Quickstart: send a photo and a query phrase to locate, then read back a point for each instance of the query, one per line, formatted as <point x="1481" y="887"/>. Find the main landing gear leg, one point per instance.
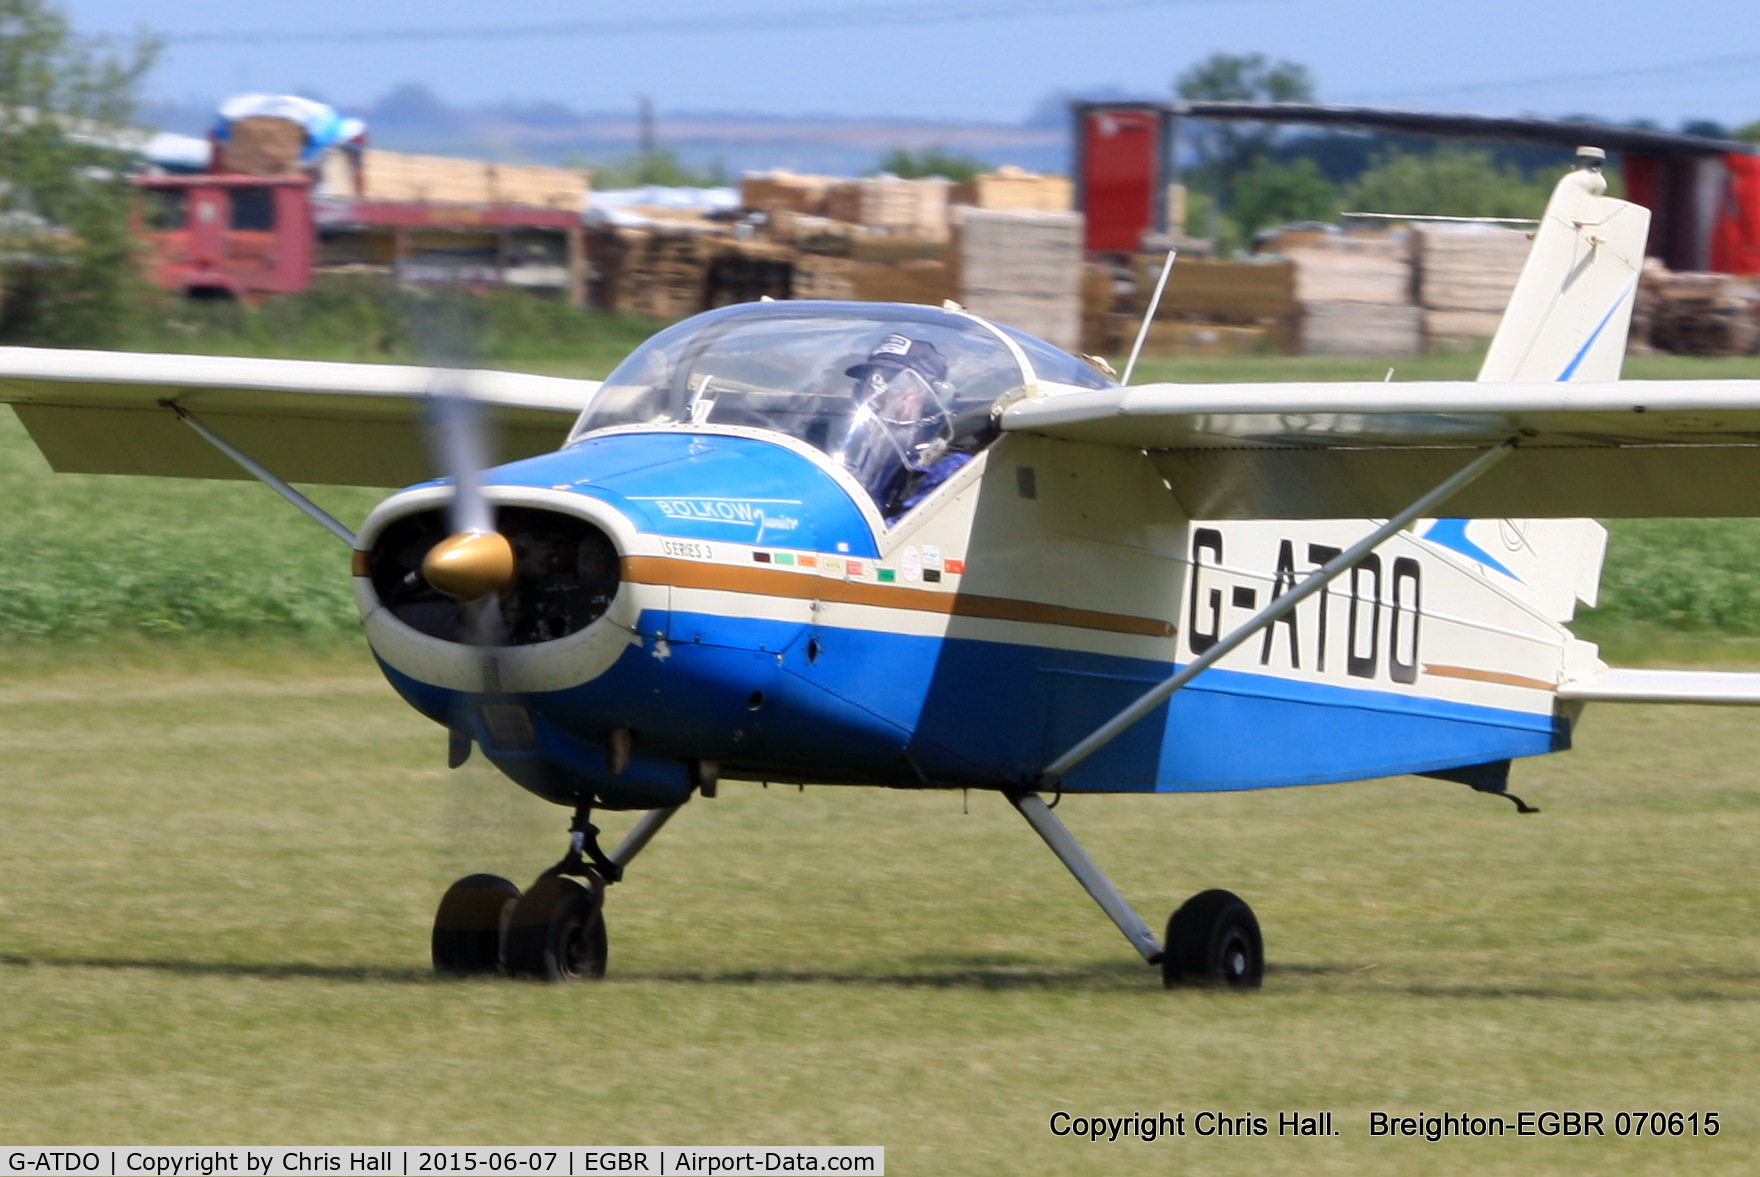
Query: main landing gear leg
<point x="1063" y="844"/>
<point x="553" y="932"/>
<point x="1212" y="940"/>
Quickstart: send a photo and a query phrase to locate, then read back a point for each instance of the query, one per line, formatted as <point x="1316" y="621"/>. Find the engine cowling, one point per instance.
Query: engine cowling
<point x="566" y="573"/>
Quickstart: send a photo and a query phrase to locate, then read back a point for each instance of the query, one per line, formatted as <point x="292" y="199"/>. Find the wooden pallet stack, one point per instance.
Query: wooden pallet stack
<point x="1697" y="314"/>
<point x="1014" y="189"/>
<point x="1355" y="296"/>
<point x="908" y="208"/>
<point x="1210" y="306"/>
<point x="1024" y="269"/>
<point x="747" y="271"/>
<point x="263" y="146"/>
<point x="782" y="191"/>
<point x="438" y="179"/>
<point x="663" y="274"/>
<point x="1465" y="274"/>
<point x="824" y="276"/>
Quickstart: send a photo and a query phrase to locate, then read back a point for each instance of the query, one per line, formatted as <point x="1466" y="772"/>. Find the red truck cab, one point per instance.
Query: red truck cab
<point x="228" y="236"/>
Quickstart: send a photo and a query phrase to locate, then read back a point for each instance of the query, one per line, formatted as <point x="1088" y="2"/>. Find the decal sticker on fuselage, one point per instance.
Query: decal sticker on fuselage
<point x="765" y="516"/>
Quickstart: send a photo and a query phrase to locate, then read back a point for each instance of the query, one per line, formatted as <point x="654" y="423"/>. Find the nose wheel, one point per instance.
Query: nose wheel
<point x="553" y="932"/>
<point x="471" y="924"/>
<point x="557" y="930"/>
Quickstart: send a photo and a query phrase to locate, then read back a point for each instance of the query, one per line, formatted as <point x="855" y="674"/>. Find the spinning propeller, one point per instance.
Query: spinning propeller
<point x="475" y="564"/>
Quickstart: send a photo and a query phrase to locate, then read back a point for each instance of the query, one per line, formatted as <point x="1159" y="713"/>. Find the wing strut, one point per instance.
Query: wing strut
<point x="1279" y="606"/>
<point x="1063" y="844"/>
<point x="263" y="473"/>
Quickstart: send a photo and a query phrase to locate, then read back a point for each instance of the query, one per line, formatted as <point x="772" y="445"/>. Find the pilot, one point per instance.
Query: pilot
<point x="903" y="425"/>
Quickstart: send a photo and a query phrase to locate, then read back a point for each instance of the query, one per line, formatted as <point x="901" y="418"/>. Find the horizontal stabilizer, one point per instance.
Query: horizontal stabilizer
<point x="1666" y="686"/>
<point x="103" y="412"/>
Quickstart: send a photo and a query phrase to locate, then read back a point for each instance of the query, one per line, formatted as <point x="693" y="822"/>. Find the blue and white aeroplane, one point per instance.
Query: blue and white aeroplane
<point x="876" y="544"/>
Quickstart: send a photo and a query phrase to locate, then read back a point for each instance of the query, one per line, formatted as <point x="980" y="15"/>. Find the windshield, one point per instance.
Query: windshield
<point x="899" y="396"/>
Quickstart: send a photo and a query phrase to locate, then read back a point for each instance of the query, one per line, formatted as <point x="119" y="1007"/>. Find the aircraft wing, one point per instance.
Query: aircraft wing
<point x="1665" y="686"/>
<point x="103" y="412"/>
<point x="1615" y="449"/>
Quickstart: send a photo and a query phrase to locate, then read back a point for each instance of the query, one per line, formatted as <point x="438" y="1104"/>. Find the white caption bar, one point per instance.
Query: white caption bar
<point x="346" y="1161"/>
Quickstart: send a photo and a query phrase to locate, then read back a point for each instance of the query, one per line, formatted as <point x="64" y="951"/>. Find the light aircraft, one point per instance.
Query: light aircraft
<point x="877" y="544"/>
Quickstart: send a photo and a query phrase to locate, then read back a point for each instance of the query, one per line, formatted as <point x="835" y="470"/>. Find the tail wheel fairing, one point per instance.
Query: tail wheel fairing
<point x="567" y="573"/>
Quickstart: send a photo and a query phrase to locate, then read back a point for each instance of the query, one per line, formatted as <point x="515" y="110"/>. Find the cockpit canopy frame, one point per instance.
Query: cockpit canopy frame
<point x="898" y="395"/>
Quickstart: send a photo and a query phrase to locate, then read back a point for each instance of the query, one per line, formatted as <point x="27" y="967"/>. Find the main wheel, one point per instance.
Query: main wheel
<point x="1213" y="940"/>
<point x="557" y="932"/>
<point x="467" y="928"/>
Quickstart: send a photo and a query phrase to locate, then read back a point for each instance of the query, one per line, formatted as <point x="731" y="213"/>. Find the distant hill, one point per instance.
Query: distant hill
<point x="412" y="118"/>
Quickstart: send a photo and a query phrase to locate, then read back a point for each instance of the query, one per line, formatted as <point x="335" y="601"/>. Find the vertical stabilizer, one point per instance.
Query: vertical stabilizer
<point x="1568" y="316"/>
<point x="1567" y="319"/>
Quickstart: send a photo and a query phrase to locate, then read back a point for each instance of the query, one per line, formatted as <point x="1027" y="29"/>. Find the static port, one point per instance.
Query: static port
<point x="756" y="701"/>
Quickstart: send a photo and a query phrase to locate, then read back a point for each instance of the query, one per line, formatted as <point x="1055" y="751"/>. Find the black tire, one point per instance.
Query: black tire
<point x="468" y="926"/>
<point x="557" y="932"/>
<point x="1213" y="940"/>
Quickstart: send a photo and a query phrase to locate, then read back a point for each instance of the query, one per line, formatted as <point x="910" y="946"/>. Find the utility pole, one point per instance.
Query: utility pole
<point x="647" y="132"/>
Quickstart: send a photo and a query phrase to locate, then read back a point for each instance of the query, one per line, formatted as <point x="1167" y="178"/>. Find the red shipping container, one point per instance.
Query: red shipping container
<point x="1121" y="171"/>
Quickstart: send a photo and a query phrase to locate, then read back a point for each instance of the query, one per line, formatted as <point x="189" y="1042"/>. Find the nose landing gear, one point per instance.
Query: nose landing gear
<point x="553" y="932"/>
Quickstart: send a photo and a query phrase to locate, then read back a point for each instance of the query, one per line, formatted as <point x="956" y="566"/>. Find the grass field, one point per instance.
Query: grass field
<point x="219" y="870"/>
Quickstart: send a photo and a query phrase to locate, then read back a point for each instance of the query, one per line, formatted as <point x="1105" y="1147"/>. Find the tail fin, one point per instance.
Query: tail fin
<point x="1567" y="319"/>
<point x="1568" y="316"/>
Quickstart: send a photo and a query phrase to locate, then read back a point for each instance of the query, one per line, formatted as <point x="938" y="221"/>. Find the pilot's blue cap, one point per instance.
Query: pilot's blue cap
<point x="896" y="352"/>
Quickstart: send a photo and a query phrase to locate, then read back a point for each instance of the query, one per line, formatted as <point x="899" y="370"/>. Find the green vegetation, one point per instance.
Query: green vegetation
<point x="68" y="271"/>
<point x="1227" y="148"/>
<point x="660" y="166"/>
<point x="349" y="317"/>
<point x="931" y="161"/>
<point x="1449" y="182"/>
<point x="1269" y="194"/>
<point x="220" y="872"/>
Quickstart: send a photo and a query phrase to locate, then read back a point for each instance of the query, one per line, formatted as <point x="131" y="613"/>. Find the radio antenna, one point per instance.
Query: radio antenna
<point x="1154" y="303"/>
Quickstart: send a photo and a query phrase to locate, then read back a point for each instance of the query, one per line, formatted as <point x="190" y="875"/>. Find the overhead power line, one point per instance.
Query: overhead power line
<point x="1548" y="80"/>
<point x="915" y="13"/>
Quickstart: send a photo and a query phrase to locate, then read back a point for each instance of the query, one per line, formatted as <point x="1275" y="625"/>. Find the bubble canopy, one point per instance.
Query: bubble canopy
<point x="898" y="395"/>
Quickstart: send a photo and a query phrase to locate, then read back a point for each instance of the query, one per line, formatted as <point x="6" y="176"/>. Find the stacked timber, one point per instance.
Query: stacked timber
<point x="1024" y="269"/>
<point x="1013" y="189"/>
<point x="824" y="276"/>
<point x="1355" y="296"/>
<point x="925" y="281"/>
<point x="1103" y="287"/>
<point x="1465" y="274"/>
<point x="663" y="274"/>
<point x="263" y="145"/>
<point x="782" y="191"/>
<point x="1694" y="314"/>
<point x="747" y="271"/>
<point x="438" y="179"/>
<point x="908" y="208"/>
<point x="1210" y="306"/>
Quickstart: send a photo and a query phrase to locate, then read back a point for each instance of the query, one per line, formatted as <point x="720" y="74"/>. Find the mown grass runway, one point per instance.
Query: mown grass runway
<point x="217" y="872"/>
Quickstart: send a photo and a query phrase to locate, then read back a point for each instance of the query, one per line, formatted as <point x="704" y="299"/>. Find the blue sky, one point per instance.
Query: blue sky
<point x="959" y="59"/>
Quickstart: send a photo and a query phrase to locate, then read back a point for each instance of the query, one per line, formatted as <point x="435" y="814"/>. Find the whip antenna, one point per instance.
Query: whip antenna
<point x="1154" y="304"/>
